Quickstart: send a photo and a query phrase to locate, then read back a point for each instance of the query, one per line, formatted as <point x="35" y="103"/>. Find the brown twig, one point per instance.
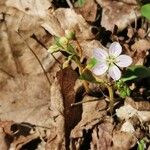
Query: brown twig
<point x="39" y="42"/>
<point x="36" y="58"/>
<point x="7" y="73"/>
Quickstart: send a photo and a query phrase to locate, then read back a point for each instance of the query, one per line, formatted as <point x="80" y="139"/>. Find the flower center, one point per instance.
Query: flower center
<point x="111" y="60"/>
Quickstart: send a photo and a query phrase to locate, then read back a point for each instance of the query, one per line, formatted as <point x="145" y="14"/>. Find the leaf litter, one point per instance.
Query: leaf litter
<point x="39" y="114"/>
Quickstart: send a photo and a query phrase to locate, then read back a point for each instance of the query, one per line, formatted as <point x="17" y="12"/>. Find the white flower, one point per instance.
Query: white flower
<point x="110" y="61"/>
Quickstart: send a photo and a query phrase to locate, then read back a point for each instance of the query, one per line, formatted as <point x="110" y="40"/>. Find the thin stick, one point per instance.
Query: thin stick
<point x="38" y="41"/>
<point x="80" y="103"/>
<point x="7" y="73"/>
<point x="36" y="58"/>
<point x="69" y="3"/>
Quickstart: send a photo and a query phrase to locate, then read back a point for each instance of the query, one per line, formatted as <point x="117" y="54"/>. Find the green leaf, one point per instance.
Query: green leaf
<point x="136" y="72"/>
<point x="70" y="49"/>
<point x="88" y="76"/>
<point x="53" y="49"/>
<point x="145" y="11"/>
<point x="123" y="89"/>
<point x="141" y="145"/>
<point x="80" y="3"/>
<point x="92" y="63"/>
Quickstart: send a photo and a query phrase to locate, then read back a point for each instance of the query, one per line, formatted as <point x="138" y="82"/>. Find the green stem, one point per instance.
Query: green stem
<point x="111" y="92"/>
<point x="111" y="97"/>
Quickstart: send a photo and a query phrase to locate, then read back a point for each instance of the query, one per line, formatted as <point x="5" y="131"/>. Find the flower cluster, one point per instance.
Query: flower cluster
<point x="110" y="61"/>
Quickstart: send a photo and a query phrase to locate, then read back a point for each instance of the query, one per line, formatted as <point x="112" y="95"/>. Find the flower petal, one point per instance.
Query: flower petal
<point x="123" y="61"/>
<point x="100" y="54"/>
<point x="115" y="49"/>
<point x="100" y="68"/>
<point x="114" y="72"/>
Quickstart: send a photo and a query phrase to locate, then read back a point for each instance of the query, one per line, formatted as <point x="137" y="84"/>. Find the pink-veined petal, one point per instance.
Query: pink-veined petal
<point x="115" y="49"/>
<point x="100" y="68"/>
<point x="123" y="61"/>
<point x="100" y="54"/>
<point x="114" y="72"/>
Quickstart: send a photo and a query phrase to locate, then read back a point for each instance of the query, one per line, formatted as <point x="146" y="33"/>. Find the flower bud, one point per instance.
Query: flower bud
<point x="70" y="35"/>
<point x="63" y="41"/>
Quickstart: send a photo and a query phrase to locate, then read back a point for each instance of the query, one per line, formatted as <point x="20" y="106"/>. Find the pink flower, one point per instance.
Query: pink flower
<point x="110" y="61"/>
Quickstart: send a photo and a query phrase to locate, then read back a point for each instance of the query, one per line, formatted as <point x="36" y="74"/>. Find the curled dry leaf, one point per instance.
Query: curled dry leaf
<point x="128" y="127"/>
<point x="127" y="111"/>
<point x="102" y="136"/>
<point x="67" y="78"/>
<point x="123" y="140"/>
<point x="21" y="104"/>
<point x="88" y="10"/>
<point x="56" y="139"/>
<point x="140" y="48"/>
<point x="117" y="13"/>
<point x="140" y="105"/>
<point x="93" y="113"/>
<point x="5" y="130"/>
<point x="68" y="19"/>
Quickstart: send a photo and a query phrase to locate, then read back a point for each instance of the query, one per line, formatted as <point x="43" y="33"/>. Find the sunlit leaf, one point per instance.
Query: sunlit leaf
<point x="80" y="3"/>
<point x="145" y="11"/>
<point x="123" y="89"/>
<point x="92" y="63"/>
<point x="141" y="145"/>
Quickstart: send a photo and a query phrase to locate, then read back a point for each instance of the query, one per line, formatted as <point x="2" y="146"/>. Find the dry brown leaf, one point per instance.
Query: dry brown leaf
<point x="67" y="78"/>
<point x="93" y="113"/>
<point x="140" y="48"/>
<point x="123" y="140"/>
<point x="56" y="138"/>
<point x="5" y="130"/>
<point x="68" y="19"/>
<point x="102" y="136"/>
<point x="25" y="99"/>
<point x="88" y="11"/>
<point x="117" y="13"/>
<point x="141" y="45"/>
<point x="140" y="105"/>
<point x="129" y="1"/>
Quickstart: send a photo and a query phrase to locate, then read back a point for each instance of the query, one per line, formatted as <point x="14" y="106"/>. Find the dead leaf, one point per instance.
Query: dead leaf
<point x="117" y="13"/>
<point x="5" y="130"/>
<point x="67" y="78"/>
<point x="74" y="21"/>
<point x="56" y="138"/>
<point x="93" y="113"/>
<point x="140" y="105"/>
<point x="140" y="48"/>
<point x="88" y="10"/>
<point x="102" y="136"/>
<point x="21" y="104"/>
<point x="123" y="140"/>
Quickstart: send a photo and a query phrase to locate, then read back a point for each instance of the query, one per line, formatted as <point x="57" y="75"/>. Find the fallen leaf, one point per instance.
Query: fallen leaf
<point x="117" y="13"/>
<point x="140" y="48"/>
<point x="67" y="78"/>
<point x="56" y="138"/>
<point x="93" y="113"/>
<point x="88" y="10"/>
<point x="102" y="136"/>
<point x="123" y="140"/>
<point x="21" y="104"/>
<point x="138" y="104"/>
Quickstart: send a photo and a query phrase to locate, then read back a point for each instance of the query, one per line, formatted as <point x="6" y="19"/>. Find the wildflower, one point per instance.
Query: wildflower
<point x="110" y="61"/>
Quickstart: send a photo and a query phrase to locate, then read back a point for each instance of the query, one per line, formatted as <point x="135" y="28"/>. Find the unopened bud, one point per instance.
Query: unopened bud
<point x="63" y="41"/>
<point x="70" y="35"/>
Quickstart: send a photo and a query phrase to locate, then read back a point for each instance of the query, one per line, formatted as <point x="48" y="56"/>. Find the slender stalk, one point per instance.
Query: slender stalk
<point x="111" y="93"/>
<point x="111" y="97"/>
<point x="82" y="102"/>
